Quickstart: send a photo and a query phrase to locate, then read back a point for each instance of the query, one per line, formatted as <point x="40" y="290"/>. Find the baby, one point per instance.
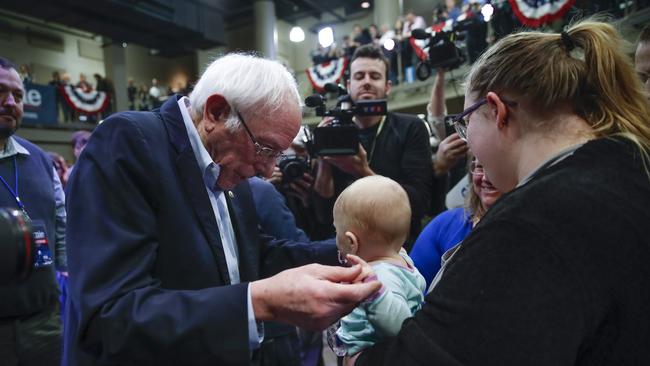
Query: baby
<point x="372" y="219"/>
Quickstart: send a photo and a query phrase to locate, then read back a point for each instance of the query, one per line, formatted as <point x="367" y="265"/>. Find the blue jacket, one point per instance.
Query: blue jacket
<point x="148" y="277"/>
<point x="443" y="232"/>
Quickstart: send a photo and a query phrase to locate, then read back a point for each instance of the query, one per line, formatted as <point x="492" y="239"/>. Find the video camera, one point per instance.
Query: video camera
<point x="341" y="137"/>
<point x="442" y="44"/>
<point x="17" y="245"/>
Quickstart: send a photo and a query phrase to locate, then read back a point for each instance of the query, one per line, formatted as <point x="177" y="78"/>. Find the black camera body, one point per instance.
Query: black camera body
<point x="17" y="245"/>
<point x="293" y="167"/>
<point x="341" y="137"/>
<point x="443" y="51"/>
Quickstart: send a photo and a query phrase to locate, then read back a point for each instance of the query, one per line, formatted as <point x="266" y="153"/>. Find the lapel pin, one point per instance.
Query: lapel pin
<point x="231" y="194"/>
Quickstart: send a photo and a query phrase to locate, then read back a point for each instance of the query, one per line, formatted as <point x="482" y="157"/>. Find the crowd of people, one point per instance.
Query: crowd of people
<point x="140" y="98"/>
<point x="184" y="239"/>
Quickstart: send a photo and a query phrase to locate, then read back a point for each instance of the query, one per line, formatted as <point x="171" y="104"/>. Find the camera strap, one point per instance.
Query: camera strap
<point x="20" y="204"/>
<point x="371" y="153"/>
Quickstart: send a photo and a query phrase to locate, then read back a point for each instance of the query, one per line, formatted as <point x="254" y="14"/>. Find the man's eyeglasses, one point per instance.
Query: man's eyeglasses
<point x="461" y="120"/>
<point x="260" y="150"/>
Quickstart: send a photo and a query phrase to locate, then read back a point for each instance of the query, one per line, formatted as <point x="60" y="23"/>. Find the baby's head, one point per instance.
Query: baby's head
<point x="372" y="217"/>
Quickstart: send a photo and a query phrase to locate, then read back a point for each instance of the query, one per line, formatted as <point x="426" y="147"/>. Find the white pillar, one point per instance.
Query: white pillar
<point x="386" y="12"/>
<point x="115" y="70"/>
<point x="266" y="36"/>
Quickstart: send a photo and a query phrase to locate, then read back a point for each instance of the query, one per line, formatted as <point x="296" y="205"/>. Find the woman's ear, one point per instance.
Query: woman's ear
<point x="216" y="110"/>
<point x="498" y="108"/>
<point x="353" y="242"/>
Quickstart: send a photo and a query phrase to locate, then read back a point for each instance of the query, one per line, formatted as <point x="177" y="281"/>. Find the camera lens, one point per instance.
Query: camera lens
<point x="16" y="245"/>
<point x="292" y="167"/>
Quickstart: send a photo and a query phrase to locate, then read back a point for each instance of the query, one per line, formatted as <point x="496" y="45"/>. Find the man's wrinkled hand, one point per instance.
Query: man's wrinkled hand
<point x="311" y="297"/>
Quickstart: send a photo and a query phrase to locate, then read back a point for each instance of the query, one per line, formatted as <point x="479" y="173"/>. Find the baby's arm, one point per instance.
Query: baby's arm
<point x="388" y="311"/>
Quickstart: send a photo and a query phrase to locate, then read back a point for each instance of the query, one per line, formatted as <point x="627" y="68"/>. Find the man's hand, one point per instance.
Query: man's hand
<point x="450" y="151"/>
<point x="355" y="165"/>
<point x="276" y="177"/>
<point x="311" y="297"/>
<point x="300" y="188"/>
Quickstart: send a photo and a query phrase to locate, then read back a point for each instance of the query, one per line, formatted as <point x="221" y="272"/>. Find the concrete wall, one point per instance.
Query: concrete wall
<point x="47" y="48"/>
<point x="50" y="50"/>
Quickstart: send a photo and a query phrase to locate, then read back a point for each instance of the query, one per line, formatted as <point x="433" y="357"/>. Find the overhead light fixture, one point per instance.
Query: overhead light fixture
<point x="389" y="44"/>
<point x="296" y="34"/>
<point x="487" y="10"/>
<point x="124" y="44"/>
<point x="365" y="4"/>
<point x="326" y="37"/>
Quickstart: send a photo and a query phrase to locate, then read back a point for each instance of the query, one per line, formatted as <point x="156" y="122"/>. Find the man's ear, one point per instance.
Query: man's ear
<point x="216" y="110"/>
<point x="498" y="109"/>
<point x="353" y="242"/>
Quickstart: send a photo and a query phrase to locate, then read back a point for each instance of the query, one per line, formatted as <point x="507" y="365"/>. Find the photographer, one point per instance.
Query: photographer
<point x="30" y="324"/>
<point x="293" y="178"/>
<point x="395" y="145"/>
<point x="451" y="149"/>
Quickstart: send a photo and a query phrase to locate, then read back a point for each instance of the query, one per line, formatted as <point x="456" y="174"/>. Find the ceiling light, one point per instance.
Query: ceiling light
<point x="326" y="37"/>
<point x="365" y="4"/>
<point x="297" y="34"/>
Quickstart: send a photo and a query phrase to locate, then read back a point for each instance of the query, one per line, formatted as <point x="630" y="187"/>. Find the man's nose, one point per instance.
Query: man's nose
<point x="9" y="100"/>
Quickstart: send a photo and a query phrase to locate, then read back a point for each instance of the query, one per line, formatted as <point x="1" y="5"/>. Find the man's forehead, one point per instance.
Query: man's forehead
<point x="11" y="76"/>
<point x="367" y="64"/>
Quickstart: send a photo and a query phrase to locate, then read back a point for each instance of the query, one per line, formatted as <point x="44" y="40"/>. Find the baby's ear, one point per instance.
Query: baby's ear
<point x="353" y="242"/>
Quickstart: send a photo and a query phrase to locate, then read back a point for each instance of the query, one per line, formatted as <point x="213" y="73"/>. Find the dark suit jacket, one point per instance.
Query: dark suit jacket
<point x="148" y="277"/>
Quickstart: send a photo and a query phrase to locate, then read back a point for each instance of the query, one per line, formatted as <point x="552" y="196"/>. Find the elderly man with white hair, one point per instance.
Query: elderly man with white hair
<point x="163" y="247"/>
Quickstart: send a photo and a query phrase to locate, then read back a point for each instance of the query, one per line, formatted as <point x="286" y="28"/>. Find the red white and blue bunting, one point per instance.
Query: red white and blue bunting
<point x="85" y="102"/>
<point x="534" y="13"/>
<point x="327" y="72"/>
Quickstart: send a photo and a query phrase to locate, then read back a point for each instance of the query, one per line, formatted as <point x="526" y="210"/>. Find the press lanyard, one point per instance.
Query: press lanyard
<point x="15" y="194"/>
<point x="374" y="141"/>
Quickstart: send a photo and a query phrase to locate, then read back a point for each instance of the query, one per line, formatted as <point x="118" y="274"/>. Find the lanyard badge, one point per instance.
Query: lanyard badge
<point x="43" y="257"/>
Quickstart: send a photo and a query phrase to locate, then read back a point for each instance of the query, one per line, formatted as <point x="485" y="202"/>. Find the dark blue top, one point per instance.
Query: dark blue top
<point x="442" y="233"/>
<point x="272" y="212"/>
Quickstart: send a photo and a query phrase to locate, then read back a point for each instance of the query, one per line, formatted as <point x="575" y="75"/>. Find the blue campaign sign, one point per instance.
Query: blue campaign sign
<point x="40" y="105"/>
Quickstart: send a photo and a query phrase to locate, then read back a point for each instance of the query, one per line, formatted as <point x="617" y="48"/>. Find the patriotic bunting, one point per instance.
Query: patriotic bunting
<point x="84" y="102"/>
<point x="327" y="72"/>
<point x="534" y="13"/>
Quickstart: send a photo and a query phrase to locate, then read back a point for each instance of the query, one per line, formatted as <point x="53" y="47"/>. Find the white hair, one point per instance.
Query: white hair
<point x="249" y="83"/>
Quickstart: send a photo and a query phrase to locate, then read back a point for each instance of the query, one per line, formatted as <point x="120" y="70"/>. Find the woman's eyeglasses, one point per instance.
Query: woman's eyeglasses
<point x="476" y="169"/>
<point x="461" y="120"/>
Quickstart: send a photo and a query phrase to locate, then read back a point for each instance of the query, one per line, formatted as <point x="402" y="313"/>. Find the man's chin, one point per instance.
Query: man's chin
<point x="228" y="183"/>
<point x="6" y="131"/>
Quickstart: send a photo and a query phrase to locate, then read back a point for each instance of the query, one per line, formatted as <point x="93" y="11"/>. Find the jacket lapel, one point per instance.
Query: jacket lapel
<point x="191" y="179"/>
<point x="245" y="227"/>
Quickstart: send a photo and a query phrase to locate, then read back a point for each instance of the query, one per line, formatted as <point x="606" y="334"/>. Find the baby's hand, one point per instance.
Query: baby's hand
<point x="366" y="269"/>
